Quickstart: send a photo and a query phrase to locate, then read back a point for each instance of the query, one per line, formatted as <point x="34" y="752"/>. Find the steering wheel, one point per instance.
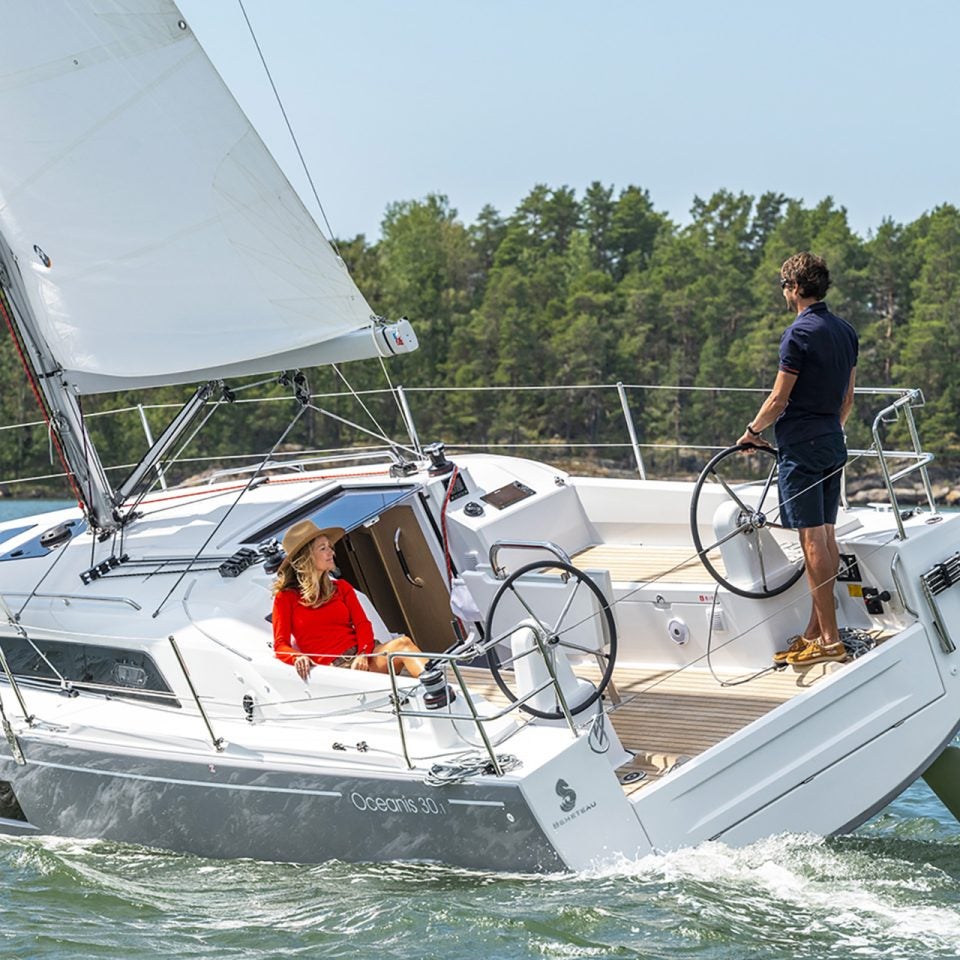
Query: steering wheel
<point x="563" y="614"/>
<point x="775" y="558"/>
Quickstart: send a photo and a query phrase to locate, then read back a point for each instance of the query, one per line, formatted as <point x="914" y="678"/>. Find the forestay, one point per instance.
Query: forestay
<point x="157" y="238"/>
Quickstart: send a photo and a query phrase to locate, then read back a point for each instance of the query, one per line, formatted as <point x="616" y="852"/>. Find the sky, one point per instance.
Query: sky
<point x="394" y="99"/>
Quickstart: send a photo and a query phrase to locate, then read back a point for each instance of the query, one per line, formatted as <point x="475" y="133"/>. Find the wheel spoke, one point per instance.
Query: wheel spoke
<point x="721" y="541"/>
<point x="731" y="493"/>
<point x="526" y="607"/>
<point x="511" y="660"/>
<point x="763" y="571"/>
<point x="566" y="606"/>
<point x="766" y="487"/>
<point x="579" y="648"/>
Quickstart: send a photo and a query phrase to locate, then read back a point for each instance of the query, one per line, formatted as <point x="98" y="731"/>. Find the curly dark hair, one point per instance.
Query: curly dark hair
<point x="809" y="272"/>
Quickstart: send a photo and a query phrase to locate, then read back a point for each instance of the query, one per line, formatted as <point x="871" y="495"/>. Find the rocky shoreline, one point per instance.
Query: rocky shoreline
<point x="860" y="492"/>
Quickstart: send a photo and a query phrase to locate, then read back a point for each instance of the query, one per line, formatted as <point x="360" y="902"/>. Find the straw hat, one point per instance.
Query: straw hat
<point x="302" y="533"/>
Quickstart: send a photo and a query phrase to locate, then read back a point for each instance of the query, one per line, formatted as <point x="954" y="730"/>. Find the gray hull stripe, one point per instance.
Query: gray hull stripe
<point x="476" y="803"/>
<point x="186" y="783"/>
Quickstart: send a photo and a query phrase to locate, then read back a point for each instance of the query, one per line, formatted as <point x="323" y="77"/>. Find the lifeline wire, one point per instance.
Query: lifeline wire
<point x="684" y="562"/>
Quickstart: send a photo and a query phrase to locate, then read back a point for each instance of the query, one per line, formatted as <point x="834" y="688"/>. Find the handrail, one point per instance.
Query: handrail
<point x="298" y="465"/>
<point x="501" y="573"/>
<point x="455" y="659"/>
<point x="891" y="414"/>
<point x="91" y="598"/>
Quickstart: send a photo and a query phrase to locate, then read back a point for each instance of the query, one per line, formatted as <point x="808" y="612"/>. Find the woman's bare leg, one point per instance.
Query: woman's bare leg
<point x="413" y="665"/>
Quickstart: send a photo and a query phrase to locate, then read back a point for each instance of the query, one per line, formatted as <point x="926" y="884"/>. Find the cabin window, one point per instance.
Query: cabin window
<point x="115" y="671"/>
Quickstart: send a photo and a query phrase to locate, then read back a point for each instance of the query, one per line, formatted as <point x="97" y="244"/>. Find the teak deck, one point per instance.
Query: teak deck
<point x="641" y="563"/>
<point x="666" y="716"/>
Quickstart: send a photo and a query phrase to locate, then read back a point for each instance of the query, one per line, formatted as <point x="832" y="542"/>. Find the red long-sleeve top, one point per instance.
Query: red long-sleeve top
<point x="322" y="633"/>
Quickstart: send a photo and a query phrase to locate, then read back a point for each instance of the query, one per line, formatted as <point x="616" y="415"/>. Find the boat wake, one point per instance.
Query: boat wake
<point x="863" y="896"/>
<point x="892" y="894"/>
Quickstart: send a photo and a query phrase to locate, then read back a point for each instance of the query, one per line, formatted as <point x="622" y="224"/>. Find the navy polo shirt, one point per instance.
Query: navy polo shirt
<point x="821" y="349"/>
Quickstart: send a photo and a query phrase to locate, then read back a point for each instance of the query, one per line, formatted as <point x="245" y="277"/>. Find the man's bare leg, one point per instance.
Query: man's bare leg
<point x="822" y="557"/>
<point x="813" y="630"/>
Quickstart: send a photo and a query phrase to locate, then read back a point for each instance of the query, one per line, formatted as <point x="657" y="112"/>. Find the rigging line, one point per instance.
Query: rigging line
<point x="727" y="683"/>
<point x="682" y="563"/>
<point x="28" y="423"/>
<point x="86" y="455"/>
<point x="356" y="426"/>
<point x="293" y="136"/>
<point x="257" y="383"/>
<point x="589" y="386"/>
<point x="39" y="583"/>
<point x="253" y="477"/>
<point x="14" y="621"/>
<point x="366" y="410"/>
<point x="843" y="466"/>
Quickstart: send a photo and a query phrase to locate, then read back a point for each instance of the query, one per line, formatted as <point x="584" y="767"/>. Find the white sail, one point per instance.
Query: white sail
<point x="157" y="238"/>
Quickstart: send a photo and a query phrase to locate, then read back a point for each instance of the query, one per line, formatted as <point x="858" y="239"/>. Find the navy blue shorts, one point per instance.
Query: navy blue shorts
<point x="808" y="478"/>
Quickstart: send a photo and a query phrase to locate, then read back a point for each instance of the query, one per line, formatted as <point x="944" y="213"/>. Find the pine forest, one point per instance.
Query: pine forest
<point x="578" y="293"/>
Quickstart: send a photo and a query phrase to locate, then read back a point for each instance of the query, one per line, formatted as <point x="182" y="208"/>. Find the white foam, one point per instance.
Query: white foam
<point x="868" y="901"/>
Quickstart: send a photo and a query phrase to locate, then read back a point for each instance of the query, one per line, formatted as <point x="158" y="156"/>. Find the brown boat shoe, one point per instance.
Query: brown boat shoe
<point x="814" y="652"/>
<point x="794" y="645"/>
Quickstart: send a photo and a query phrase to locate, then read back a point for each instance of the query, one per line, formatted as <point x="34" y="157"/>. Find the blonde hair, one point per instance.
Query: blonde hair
<point x="301" y="574"/>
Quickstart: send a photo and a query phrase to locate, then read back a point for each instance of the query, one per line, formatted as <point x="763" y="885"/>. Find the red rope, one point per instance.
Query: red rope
<point x="39" y="398"/>
<point x="443" y="525"/>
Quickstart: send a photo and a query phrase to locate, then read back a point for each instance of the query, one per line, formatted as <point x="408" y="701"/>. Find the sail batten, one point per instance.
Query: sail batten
<point x="156" y="235"/>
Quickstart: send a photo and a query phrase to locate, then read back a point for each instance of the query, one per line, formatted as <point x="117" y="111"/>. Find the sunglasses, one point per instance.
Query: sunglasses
<point x="786" y="283"/>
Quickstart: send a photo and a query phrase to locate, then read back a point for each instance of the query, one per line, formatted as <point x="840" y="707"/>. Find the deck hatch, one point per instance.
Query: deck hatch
<point x="349" y="507"/>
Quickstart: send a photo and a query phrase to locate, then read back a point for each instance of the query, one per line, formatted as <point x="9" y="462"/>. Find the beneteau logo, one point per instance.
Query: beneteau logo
<point x="568" y="804"/>
<point x="568" y="799"/>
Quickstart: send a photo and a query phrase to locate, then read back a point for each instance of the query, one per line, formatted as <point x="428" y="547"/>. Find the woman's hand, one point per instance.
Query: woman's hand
<point x="360" y="663"/>
<point x="304" y="665"/>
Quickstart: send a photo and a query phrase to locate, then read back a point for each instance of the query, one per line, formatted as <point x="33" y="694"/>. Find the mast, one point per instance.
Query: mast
<point x="60" y="402"/>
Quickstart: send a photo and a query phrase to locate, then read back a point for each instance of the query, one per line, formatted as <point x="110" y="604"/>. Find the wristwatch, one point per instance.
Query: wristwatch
<point x="752" y="432"/>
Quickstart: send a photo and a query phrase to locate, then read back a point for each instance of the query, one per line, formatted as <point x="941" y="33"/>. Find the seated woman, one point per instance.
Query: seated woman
<point x="323" y="614"/>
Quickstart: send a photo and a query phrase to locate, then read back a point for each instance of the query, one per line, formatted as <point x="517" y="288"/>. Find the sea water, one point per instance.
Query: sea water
<point x="890" y="890"/>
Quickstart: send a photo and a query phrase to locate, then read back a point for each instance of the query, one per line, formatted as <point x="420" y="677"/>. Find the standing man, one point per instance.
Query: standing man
<point x="810" y="402"/>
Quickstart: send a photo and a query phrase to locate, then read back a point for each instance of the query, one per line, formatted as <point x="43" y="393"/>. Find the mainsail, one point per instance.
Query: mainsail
<point x="157" y="240"/>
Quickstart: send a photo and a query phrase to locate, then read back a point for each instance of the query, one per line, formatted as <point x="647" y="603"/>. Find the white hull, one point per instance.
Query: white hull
<point x="319" y="770"/>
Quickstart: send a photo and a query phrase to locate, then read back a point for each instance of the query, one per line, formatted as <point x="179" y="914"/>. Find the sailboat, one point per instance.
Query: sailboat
<point x="599" y="682"/>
